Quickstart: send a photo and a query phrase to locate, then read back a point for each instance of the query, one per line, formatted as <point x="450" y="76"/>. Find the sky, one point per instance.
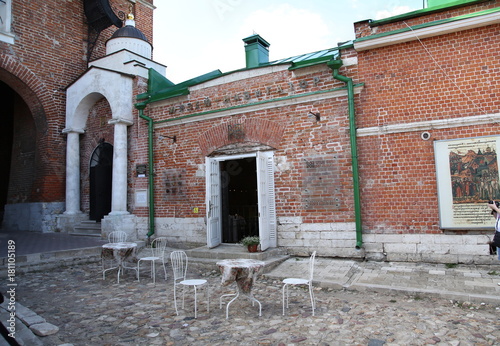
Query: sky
<point x="195" y="37"/>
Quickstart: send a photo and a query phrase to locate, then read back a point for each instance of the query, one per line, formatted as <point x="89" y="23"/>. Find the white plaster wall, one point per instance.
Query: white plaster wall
<point x="135" y="45"/>
<point x="125" y="61"/>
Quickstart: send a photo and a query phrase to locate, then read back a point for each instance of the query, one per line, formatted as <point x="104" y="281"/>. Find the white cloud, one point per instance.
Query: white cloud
<point x="393" y="12"/>
<point x="289" y="30"/>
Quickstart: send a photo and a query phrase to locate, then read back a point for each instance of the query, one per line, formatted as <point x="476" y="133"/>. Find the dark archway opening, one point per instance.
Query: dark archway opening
<point x="239" y="199"/>
<point x="7" y="99"/>
<point x="101" y="178"/>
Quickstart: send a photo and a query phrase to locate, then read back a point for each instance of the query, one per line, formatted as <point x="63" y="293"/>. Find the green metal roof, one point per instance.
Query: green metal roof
<point x="160" y="88"/>
<point x="431" y="9"/>
<point x="309" y="59"/>
<point x="430" y="24"/>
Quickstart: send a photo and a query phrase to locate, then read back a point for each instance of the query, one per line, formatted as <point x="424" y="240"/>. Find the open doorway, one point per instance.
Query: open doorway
<point x="253" y="174"/>
<point x="101" y="171"/>
<point x="239" y="211"/>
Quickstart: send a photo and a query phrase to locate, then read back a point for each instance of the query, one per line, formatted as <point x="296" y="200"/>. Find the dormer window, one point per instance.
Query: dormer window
<point x="5" y="20"/>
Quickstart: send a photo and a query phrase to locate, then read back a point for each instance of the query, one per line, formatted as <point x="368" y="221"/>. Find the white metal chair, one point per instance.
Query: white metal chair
<point x="158" y="247"/>
<point x="109" y="264"/>
<point x="179" y="262"/>
<point x="297" y="281"/>
<point x="117" y="237"/>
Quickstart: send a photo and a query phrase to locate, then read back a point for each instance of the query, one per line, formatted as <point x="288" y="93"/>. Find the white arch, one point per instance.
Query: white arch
<point x="117" y="88"/>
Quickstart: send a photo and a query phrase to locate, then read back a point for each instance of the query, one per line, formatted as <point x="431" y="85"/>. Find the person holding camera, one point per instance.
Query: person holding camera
<point x="495" y="211"/>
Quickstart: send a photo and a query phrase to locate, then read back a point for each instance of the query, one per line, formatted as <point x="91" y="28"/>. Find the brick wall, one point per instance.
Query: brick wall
<point x="50" y="53"/>
<point x="444" y="77"/>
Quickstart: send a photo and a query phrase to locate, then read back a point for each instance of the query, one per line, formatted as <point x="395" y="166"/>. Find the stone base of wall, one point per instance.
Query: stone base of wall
<point x="183" y="233"/>
<point x="120" y="222"/>
<point x="34" y="217"/>
<point x="66" y="222"/>
<point x="339" y="240"/>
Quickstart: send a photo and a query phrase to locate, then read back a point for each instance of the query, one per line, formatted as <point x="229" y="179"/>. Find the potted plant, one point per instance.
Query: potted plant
<point x="251" y="242"/>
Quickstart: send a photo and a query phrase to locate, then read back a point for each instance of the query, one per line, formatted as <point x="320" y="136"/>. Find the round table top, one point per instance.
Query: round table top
<point x="240" y="263"/>
<point x="121" y="245"/>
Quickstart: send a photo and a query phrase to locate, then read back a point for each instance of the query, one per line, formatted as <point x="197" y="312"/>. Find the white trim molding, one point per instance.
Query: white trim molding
<point x="429" y="125"/>
<point x="259" y="106"/>
<point x="429" y="31"/>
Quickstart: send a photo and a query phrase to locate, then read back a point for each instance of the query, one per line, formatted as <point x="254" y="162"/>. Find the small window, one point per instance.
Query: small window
<point x="5" y="20"/>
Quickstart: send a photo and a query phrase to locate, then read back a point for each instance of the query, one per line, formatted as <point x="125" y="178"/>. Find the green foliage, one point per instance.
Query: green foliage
<point x="250" y="240"/>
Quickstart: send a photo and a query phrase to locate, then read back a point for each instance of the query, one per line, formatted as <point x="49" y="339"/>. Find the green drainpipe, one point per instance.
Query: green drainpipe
<point x="141" y="107"/>
<point x="335" y="65"/>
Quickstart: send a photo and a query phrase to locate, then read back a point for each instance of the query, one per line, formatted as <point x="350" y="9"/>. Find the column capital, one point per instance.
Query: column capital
<point x="122" y="121"/>
<point x="72" y="130"/>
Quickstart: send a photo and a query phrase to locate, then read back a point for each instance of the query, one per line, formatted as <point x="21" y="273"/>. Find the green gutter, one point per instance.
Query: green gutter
<point x="425" y="11"/>
<point x="335" y="65"/>
<point x="140" y="107"/>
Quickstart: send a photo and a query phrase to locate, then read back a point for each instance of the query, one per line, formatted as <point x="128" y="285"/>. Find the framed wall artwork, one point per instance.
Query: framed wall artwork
<point x="467" y="178"/>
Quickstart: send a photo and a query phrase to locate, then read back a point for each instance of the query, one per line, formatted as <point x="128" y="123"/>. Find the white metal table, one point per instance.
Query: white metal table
<point x="119" y="252"/>
<point x="243" y="272"/>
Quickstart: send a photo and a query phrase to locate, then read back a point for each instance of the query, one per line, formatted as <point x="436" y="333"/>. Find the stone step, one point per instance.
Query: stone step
<point x="53" y="259"/>
<point x="87" y="228"/>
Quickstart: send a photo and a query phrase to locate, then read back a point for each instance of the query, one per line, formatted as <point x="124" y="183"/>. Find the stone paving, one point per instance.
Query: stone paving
<point x="91" y="311"/>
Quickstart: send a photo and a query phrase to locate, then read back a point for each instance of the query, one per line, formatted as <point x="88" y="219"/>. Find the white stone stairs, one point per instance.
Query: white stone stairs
<point x="87" y="228"/>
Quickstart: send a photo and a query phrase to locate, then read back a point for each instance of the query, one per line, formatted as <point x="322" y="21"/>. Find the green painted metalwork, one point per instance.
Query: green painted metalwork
<point x="425" y="11"/>
<point x="256" y="51"/>
<point x="335" y="65"/>
<point x="151" y="169"/>
<point x="160" y="88"/>
<point x="430" y="24"/>
<point x="444" y="3"/>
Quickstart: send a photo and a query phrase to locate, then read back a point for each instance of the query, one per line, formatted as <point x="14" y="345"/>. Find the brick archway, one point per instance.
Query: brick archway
<point x="49" y="177"/>
<point x="249" y="130"/>
<point x="31" y="89"/>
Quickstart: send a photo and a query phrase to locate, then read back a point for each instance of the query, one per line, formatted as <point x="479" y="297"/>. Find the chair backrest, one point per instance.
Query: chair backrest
<point x="158" y="246"/>
<point x="179" y="262"/>
<point x="117" y="237"/>
<point x="311" y="265"/>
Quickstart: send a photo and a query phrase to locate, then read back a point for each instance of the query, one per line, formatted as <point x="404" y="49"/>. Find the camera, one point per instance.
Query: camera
<point x="496" y="203"/>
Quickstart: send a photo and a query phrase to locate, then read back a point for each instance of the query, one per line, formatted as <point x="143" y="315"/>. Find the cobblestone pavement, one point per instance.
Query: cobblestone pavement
<point x="91" y="311"/>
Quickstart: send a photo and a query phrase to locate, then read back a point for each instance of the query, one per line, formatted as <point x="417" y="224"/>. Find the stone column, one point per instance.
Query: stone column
<point x="73" y="171"/>
<point x="119" y="187"/>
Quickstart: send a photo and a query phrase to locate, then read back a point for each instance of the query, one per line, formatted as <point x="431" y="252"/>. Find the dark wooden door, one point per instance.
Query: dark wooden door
<point x="101" y="177"/>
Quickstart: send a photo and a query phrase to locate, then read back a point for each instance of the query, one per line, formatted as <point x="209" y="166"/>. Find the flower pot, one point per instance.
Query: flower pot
<point x="253" y="247"/>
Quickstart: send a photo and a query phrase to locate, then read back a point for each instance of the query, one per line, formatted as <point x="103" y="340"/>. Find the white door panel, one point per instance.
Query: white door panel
<point x="214" y="234"/>
<point x="266" y="205"/>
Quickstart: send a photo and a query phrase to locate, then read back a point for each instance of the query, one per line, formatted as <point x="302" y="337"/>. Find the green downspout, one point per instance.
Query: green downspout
<point x="140" y="107"/>
<point x="335" y="65"/>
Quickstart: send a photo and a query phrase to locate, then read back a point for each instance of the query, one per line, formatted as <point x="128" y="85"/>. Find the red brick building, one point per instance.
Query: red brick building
<point x="430" y="80"/>
<point x="45" y="46"/>
<point x="382" y="148"/>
